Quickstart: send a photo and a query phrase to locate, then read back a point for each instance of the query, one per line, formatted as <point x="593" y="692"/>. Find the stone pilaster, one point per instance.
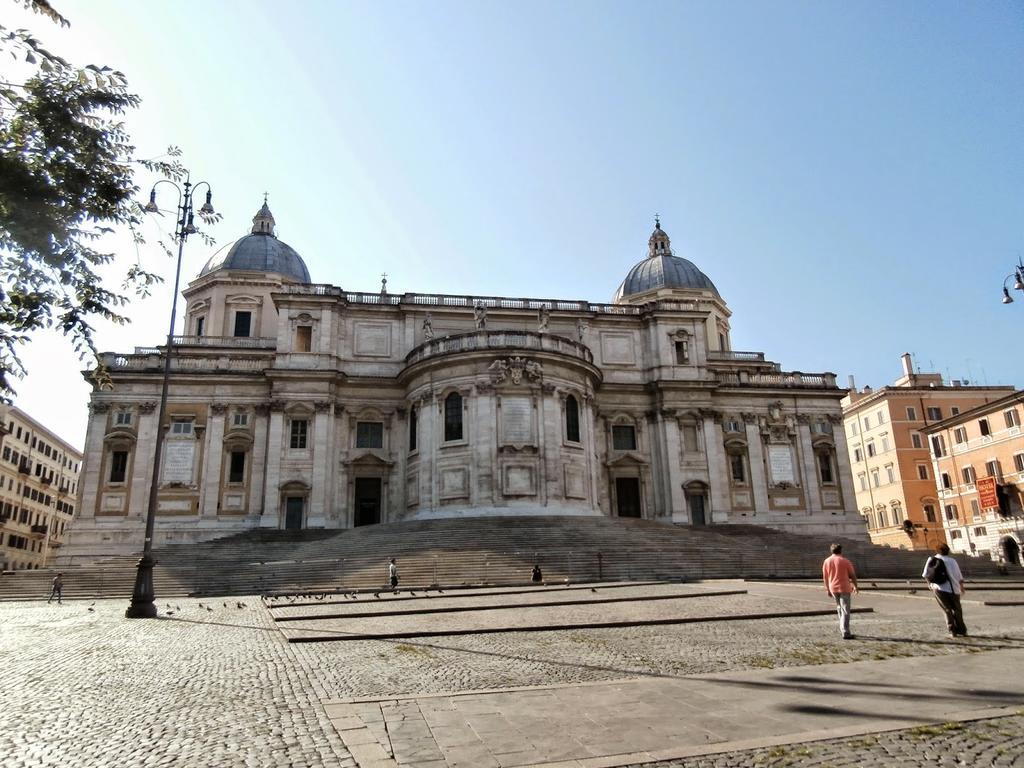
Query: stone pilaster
<point x="213" y="462"/>
<point x="718" y="470"/>
<point x="758" y="473"/>
<point x="89" y="479"/>
<point x="674" y="501"/>
<point x="258" y="467"/>
<point x="808" y="465"/>
<point x="271" y="517"/>
<point x="316" y="517"/>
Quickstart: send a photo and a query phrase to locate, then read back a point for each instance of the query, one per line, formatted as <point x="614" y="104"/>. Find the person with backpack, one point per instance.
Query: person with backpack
<point x="947" y="584"/>
<point x="840" y="583"/>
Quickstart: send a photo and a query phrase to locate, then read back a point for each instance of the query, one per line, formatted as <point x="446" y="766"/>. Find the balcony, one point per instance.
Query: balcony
<point x="39" y="529"/>
<point x="25" y="467"/>
<point x="488" y="340"/>
<point x="732" y="356"/>
<point x="781" y="380"/>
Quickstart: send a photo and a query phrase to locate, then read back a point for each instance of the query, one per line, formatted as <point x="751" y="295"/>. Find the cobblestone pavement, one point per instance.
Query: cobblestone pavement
<point x="221" y="687"/>
<point x="199" y="688"/>
<point x="900" y="626"/>
<point x="995" y="743"/>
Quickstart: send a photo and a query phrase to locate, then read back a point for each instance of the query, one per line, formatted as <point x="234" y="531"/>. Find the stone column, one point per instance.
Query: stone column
<point x="142" y="463"/>
<point x="588" y="423"/>
<point x="210" y="481"/>
<point x="89" y="478"/>
<point x="316" y="518"/>
<point x="258" y="461"/>
<point x="758" y="472"/>
<point x="809" y="467"/>
<point x="539" y="399"/>
<point x="844" y="472"/>
<point x="674" y="501"/>
<point x="400" y="450"/>
<point x="271" y="517"/>
<point x="718" y="471"/>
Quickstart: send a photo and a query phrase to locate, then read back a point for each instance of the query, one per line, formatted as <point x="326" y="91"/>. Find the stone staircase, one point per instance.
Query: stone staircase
<point x="471" y="551"/>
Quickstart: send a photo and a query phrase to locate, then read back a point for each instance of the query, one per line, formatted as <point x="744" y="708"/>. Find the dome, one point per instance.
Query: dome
<point x="260" y="251"/>
<point x="663" y="269"/>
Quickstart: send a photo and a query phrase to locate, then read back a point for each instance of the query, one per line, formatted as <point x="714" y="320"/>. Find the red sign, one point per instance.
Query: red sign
<point x="987" y="491"/>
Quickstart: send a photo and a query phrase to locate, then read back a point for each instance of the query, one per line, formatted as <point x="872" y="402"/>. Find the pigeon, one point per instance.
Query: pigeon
<point x="209" y="609"/>
<point x="240" y="605"/>
<point x="440" y="590"/>
<point x="201" y="605"/>
<point x="593" y="590"/>
<point x="873" y="584"/>
<point x="225" y="605"/>
<point x="92" y="610"/>
<point x="177" y="607"/>
<point x="377" y="595"/>
<point x="170" y="613"/>
<point x="410" y="592"/>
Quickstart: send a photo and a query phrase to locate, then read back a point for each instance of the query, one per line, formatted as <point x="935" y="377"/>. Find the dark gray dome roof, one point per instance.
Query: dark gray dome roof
<point x="663" y="269"/>
<point x="260" y="251"/>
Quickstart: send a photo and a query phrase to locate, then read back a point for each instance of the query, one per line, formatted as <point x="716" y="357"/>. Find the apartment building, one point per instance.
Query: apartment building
<point x="893" y="475"/>
<point x="978" y="461"/>
<point x="38" y="487"/>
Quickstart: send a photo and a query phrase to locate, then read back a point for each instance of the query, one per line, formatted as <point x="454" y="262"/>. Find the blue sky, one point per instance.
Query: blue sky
<point x="849" y="175"/>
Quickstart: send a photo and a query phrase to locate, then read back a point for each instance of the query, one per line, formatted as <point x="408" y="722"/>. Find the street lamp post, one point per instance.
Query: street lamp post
<point x="143" y="605"/>
<point x="1018" y="283"/>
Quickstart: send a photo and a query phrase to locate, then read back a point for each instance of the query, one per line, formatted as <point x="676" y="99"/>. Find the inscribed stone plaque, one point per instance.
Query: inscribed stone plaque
<point x="519" y="481"/>
<point x="517" y="420"/>
<point x="373" y="339"/>
<point x="412" y="489"/>
<point x="780" y="460"/>
<point x="112" y="502"/>
<point x="454" y="483"/>
<point x="179" y="455"/>
<point x="575" y="487"/>
<point x="617" y="348"/>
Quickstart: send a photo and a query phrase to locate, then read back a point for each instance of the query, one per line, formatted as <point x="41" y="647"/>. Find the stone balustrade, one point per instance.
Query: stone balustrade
<point x="734" y="356"/>
<point x="782" y="379"/>
<point x="152" y="360"/>
<point x="485" y="340"/>
<point x="491" y="302"/>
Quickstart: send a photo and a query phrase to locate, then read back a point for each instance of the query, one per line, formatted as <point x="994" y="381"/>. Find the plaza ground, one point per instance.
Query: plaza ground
<point x="217" y="682"/>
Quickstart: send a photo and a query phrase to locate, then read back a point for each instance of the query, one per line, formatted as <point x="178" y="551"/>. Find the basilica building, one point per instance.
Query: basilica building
<point x="294" y="404"/>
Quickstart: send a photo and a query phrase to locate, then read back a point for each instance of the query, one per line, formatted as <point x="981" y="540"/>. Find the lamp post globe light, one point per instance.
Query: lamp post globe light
<point x="1018" y="283"/>
<point x="143" y="605"/>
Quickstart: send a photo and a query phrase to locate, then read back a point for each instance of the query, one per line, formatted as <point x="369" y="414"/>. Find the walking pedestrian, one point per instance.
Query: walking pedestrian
<point x="393" y="574"/>
<point x="536" y="577"/>
<point x="947" y="584"/>
<point x="56" y="588"/>
<point x="840" y="583"/>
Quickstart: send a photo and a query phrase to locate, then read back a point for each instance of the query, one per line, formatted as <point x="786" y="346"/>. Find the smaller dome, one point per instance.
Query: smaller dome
<point x="662" y="269"/>
<point x="260" y="251"/>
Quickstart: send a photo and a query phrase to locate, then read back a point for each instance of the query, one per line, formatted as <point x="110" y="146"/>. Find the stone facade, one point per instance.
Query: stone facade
<point x="304" y="405"/>
<point x="38" y="486"/>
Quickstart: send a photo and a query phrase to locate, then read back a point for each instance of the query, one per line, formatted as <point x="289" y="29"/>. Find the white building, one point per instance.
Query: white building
<point x="302" y="405"/>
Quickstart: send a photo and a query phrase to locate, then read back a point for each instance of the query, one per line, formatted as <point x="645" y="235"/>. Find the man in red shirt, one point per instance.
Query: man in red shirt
<point x="840" y="583"/>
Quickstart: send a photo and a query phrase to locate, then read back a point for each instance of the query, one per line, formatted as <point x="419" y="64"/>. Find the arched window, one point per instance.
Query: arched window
<point x="572" y="420"/>
<point x="412" y="428"/>
<point x="453" y="417"/>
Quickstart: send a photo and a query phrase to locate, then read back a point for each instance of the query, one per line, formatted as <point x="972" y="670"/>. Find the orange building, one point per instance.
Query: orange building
<point x="978" y="460"/>
<point x="893" y="478"/>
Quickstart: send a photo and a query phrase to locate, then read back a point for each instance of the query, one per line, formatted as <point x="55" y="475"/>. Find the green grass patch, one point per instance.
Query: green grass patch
<point x="926" y="731"/>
